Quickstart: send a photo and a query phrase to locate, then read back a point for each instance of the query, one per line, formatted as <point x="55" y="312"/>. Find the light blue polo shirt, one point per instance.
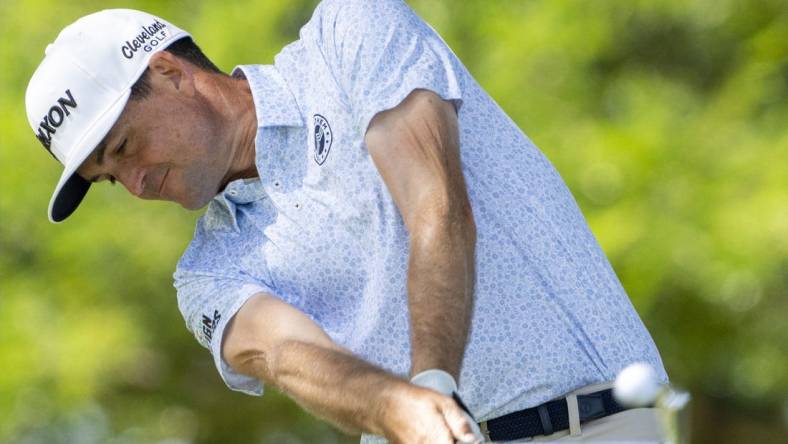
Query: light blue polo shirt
<point x="319" y="228"/>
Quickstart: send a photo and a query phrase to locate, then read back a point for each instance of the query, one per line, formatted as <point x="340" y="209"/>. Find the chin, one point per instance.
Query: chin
<point x="194" y="203"/>
<point x="191" y="206"/>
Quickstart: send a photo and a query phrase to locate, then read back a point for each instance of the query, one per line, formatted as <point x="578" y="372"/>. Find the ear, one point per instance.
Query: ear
<point x="169" y="72"/>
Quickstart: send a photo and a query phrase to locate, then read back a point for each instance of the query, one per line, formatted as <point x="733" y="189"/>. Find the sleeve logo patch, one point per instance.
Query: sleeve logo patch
<point x="323" y="139"/>
<point x="209" y="325"/>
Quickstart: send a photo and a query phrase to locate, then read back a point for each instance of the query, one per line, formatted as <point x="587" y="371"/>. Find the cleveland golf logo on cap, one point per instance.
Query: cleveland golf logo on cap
<point x="149" y="38"/>
<point x="54" y="118"/>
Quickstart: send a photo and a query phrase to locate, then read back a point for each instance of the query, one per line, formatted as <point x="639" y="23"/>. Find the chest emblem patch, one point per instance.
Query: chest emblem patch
<point x="323" y="138"/>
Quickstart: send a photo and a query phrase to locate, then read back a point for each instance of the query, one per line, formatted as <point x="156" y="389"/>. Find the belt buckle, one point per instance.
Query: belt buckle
<point x="485" y="431"/>
<point x="590" y="407"/>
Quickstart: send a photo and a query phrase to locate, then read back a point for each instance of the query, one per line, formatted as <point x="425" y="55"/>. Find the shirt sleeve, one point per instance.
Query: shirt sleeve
<point x="207" y="302"/>
<point x="379" y="51"/>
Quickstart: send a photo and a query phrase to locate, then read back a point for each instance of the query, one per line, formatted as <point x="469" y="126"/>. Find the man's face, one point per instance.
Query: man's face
<point x="166" y="146"/>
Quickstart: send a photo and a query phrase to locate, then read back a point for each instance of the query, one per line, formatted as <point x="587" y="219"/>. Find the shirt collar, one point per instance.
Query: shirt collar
<point x="275" y="106"/>
<point x="273" y="101"/>
<point x="237" y="192"/>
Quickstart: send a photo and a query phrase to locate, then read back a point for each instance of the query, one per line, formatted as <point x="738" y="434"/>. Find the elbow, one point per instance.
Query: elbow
<point x="250" y="361"/>
<point x="265" y="365"/>
<point x="253" y="363"/>
<point x="246" y="354"/>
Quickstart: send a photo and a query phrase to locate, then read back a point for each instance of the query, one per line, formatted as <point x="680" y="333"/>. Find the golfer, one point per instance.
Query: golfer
<point x="380" y="241"/>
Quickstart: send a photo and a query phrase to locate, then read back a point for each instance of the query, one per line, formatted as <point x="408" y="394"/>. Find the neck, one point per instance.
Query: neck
<point x="236" y="99"/>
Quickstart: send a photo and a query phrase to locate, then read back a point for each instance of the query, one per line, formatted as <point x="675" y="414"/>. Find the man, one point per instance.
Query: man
<point x="381" y="241"/>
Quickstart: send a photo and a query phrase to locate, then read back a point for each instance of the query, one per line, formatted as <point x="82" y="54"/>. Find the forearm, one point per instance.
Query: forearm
<point x="441" y="276"/>
<point x="334" y="385"/>
<point x="416" y="148"/>
<point x="283" y="347"/>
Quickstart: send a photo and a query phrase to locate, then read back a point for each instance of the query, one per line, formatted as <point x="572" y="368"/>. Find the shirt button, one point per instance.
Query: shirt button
<point x="298" y="205"/>
<point x="276" y="184"/>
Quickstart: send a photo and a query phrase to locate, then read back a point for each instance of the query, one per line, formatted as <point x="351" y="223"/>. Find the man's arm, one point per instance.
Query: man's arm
<point x="415" y="146"/>
<point x="276" y="343"/>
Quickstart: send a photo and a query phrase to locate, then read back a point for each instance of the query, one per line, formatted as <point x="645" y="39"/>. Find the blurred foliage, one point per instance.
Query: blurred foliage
<point x="667" y="119"/>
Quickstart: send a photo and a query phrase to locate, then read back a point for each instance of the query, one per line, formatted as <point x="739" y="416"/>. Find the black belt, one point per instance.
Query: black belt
<point x="549" y="417"/>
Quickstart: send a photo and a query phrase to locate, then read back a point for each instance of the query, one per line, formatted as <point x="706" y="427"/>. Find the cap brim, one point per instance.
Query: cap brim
<point x="71" y="188"/>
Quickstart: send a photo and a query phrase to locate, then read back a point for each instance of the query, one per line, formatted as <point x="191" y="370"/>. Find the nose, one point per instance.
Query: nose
<point x="133" y="179"/>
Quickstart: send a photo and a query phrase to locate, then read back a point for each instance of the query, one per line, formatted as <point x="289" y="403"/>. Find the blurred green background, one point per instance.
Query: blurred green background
<point x="667" y="119"/>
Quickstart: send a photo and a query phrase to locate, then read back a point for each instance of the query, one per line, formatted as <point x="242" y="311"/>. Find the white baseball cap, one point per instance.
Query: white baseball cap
<point x="81" y="87"/>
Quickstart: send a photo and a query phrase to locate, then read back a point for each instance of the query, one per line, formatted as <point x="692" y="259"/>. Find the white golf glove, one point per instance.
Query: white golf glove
<point x="443" y="382"/>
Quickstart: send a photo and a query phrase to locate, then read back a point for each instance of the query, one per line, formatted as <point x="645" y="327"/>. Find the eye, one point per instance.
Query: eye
<point x="122" y="147"/>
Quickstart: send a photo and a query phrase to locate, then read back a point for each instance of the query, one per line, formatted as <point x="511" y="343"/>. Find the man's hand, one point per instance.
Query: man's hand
<point x="444" y="383"/>
<point x="417" y="415"/>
